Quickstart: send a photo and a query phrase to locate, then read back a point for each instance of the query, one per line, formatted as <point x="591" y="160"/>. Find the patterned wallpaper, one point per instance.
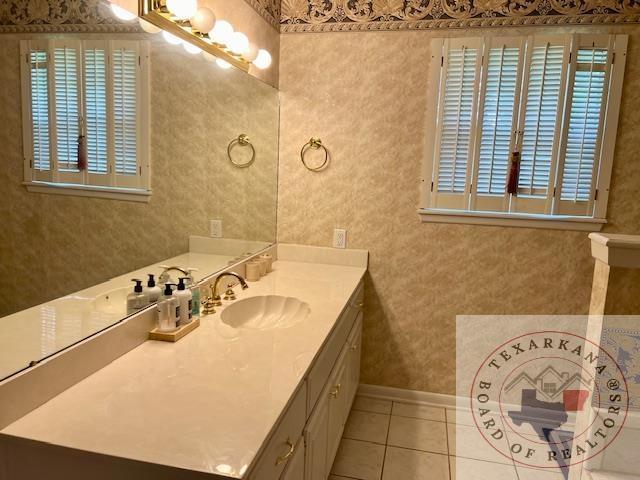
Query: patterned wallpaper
<point x="367" y="99"/>
<point x="361" y="15"/>
<point x="51" y="245"/>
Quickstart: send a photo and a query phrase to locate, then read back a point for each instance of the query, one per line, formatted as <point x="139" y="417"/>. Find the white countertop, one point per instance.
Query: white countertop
<point x="39" y="331"/>
<point x="208" y="402"/>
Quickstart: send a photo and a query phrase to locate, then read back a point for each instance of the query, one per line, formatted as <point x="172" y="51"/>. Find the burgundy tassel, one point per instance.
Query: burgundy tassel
<point x="514" y="173"/>
<point x="82" y="152"/>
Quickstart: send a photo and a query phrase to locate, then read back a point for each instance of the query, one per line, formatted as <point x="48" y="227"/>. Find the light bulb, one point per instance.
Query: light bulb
<point x="191" y="48"/>
<point x="221" y="32"/>
<point x="238" y="43"/>
<point x="252" y="52"/>
<point x="148" y="27"/>
<point x="223" y="64"/>
<point x="182" y="9"/>
<point x="204" y="20"/>
<point x="263" y="60"/>
<point x="208" y="57"/>
<point x="171" y="38"/>
<point x="122" y="14"/>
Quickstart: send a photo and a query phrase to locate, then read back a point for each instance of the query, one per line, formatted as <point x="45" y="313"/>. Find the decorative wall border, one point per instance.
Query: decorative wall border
<point x="380" y="15"/>
<point x="61" y="16"/>
<point x="267" y="9"/>
<point x="439" y="24"/>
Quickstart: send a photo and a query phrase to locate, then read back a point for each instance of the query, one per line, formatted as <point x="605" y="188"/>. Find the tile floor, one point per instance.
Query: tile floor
<point x="386" y="440"/>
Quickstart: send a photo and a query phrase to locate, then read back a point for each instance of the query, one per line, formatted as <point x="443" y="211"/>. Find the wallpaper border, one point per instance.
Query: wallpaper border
<point x="480" y="22"/>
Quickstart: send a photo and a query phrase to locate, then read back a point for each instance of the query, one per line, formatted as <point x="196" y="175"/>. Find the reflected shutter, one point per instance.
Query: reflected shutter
<point x="95" y="116"/>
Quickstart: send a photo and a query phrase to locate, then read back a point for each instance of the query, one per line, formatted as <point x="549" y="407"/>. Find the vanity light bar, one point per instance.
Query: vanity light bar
<point x="157" y="13"/>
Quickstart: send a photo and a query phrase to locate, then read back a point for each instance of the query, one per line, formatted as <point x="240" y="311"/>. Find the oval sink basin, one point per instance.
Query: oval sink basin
<point x="265" y="312"/>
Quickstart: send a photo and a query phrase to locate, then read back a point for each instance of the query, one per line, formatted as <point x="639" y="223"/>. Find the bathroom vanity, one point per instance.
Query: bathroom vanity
<point x="232" y="399"/>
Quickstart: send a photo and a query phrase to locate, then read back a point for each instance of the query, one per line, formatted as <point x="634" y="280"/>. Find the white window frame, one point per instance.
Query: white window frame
<point x="84" y="183"/>
<point x="551" y="212"/>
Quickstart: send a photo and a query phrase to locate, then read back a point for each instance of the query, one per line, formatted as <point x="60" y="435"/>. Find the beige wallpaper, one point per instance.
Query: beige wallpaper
<point x="364" y="94"/>
<point x="51" y="245"/>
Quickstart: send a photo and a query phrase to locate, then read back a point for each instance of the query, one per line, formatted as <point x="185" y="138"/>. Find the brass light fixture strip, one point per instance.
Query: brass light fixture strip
<point x="149" y="10"/>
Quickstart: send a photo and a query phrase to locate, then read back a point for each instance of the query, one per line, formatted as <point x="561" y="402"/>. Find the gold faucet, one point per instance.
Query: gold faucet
<point x="214" y="288"/>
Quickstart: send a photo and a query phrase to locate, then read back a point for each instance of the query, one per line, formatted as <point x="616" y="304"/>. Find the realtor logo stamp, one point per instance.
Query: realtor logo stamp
<point x="549" y="399"/>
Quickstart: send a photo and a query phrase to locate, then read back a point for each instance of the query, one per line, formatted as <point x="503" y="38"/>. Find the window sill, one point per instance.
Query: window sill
<point x="523" y="220"/>
<point x="111" y="193"/>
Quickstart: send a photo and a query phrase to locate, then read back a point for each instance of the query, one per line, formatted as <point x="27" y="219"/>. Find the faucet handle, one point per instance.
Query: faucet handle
<point x="208" y="305"/>
<point x="229" y="294"/>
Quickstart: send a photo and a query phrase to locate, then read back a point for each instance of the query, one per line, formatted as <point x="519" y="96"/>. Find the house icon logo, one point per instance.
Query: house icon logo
<point x="550" y="385"/>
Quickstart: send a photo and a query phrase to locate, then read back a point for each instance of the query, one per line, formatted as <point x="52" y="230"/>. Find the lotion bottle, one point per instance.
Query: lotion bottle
<point x="136" y="300"/>
<point x="174" y="308"/>
<point x="185" y="297"/>
<point x="152" y="291"/>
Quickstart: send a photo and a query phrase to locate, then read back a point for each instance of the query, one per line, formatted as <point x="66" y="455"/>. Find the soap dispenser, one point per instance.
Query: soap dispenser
<point x="185" y="297"/>
<point x="136" y="300"/>
<point x="152" y="291"/>
<point x="174" y="303"/>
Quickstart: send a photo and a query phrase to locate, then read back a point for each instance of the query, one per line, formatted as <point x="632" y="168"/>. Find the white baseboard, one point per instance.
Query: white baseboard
<point x="403" y="395"/>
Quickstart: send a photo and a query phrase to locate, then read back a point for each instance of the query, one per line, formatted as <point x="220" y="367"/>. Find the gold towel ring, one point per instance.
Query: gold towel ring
<point x="243" y="141"/>
<point x="314" y="143"/>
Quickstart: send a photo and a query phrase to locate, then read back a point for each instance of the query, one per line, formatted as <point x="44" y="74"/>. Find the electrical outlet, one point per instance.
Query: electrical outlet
<point x="216" y="228"/>
<point x="339" y="238"/>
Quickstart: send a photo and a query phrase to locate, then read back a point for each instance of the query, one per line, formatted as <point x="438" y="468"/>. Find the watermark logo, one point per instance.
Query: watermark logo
<point x="549" y="399"/>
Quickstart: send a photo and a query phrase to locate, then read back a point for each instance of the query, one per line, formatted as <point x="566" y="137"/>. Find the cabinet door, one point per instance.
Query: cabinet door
<point x="338" y="406"/>
<point x="355" y="346"/>
<point x="295" y="467"/>
<point x="315" y="436"/>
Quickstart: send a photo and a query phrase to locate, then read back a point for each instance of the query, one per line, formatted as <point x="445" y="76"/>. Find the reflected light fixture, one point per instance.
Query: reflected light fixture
<point x="192" y="49"/>
<point x="182" y="9"/>
<point x="238" y="43"/>
<point x="221" y="33"/>
<point x="148" y="27"/>
<point x="171" y="38"/>
<point x="122" y="13"/>
<point x="204" y="20"/>
<point x="263" y="60"/>
<point x="223" y="64"/>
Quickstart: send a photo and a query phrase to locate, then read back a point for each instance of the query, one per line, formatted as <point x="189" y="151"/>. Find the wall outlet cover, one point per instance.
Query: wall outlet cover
<point x="339" y="238"/>
<point x="216" y="228"/>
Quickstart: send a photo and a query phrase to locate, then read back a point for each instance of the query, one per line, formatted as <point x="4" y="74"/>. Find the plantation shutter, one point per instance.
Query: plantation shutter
<point x="95" y="111"/>
<point x="586" y="102"/>
<point x="459" y="86"/>
<point x="126" y="92"/>
<point x="38" y="100"/>
<point x="541" y="114"/>
<point x="66" y="106"/>
<point x="498" y="116"/>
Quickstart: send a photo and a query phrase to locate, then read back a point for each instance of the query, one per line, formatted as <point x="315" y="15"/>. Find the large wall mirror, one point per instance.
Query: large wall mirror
<point x="81" y="217"/>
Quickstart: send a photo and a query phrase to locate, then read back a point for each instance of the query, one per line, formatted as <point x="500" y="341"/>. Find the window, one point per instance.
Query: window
<point x="555" y="99"/>
<point x="97" y="89"/>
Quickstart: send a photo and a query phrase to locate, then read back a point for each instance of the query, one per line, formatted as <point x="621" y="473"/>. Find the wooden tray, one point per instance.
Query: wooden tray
<point x="176" y="334"/>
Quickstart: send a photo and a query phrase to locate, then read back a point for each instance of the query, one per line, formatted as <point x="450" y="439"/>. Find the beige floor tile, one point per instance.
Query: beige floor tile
<point x="468" y="469"/>
<point x="539" y="474"/>
<point x="369" y="404"/>
<point x="361" y="460"/>
<point x="403" y="464"/>
<point x="425" y="412"/>
<point x="418" y="434"/>
<point x="367" y="426"/>
<point x="468" y="442"/>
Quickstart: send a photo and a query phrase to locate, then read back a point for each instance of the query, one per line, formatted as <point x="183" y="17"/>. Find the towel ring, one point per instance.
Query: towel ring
<point x="314" y="143"/>
<point x="243" y="141"/>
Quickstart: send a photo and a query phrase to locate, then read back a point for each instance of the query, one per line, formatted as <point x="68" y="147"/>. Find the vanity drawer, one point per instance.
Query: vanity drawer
<point x="282" y="445"/>
<point x="329" y="354"/>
